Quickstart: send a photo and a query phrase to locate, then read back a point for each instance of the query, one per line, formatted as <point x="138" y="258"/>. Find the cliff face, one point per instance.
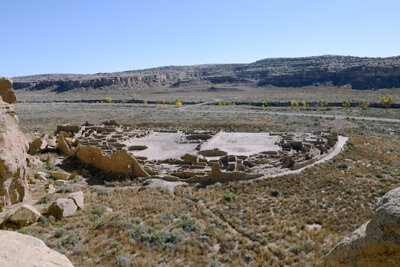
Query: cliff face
<point x="13" y="146"/>
<point x="360" y="73"/>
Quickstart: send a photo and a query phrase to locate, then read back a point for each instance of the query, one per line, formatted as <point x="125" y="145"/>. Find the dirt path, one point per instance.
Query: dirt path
<point x="189" y="109"/>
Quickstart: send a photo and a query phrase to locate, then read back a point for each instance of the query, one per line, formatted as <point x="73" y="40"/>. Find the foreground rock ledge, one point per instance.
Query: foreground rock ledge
<point x="18" y="250"/>
<point x="13" y="153"/>
<point x="375" y="243"/>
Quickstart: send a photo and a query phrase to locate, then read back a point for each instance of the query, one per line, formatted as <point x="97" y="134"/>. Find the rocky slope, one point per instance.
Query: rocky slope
<point x="360" y="73"/>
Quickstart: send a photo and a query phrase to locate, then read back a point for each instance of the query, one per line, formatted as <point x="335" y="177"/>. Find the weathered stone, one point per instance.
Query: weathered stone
<point x="60" y="175"/>
<point x="25" y="215"/>
<point x="119" y="163"/>
<point x="217" y="175"/>
<point x="190" y="159"/>
<point x="62" y="207"/>
<point x="375" y="243"/>
<point x="133" y="148"/>
<point x="68" y="128"/>
<point x="17" y="250"/>
<point x="40" y="176"/>
<point x="13" y="158"/>
<point x="212" y="153"/>
<point x="50" y="188"/>
<point x="6" y="91"/>
<point x="37" y="145"/>
<point x="288" y="162"/>
<point x="77" y="197"/>
<point x="297" y="145"/>
<point x="232" y="166"/>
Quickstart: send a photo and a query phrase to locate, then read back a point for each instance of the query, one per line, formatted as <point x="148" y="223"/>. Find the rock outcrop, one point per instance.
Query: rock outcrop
<point x="6" y="91"/>
<point x="375" y="243"/>
<point x="17" y="250"/>
<point x="13" y="152"/>
<point x="25" y="215"/>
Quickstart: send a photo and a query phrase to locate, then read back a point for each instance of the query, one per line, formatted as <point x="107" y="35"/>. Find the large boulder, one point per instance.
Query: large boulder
<point x="375" y="243"/>
<point x="62" y="207"/>
<point x="13" y="155"/>
<point x="6" y="91"/>
<point x="78" y="198"/>
<point x="37" y="145"/>
<point x="25" y="215"/>
<point x="18" y="250"/>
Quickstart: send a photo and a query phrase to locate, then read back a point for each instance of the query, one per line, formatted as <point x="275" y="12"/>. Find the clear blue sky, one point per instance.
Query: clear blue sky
<point x="89" y="36"/>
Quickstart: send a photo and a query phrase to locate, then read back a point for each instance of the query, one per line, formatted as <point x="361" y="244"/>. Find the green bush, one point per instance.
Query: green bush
<point x="229" y="196"/>
<point x="275" y="192"/>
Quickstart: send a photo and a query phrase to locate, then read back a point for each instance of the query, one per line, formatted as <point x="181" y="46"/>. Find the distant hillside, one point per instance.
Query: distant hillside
<point x="359" y="73"/>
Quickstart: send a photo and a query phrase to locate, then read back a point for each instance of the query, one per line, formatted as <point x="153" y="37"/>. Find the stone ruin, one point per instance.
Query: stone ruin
<point x="192" y="156"/>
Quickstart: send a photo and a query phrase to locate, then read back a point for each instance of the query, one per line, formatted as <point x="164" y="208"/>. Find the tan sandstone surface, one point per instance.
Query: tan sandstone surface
<point x="375" y="243"/>
<point x="13" y="152"/>
<point x="18" y="250"/>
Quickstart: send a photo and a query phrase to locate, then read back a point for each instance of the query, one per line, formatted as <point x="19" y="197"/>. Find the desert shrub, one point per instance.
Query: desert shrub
<point x="98" y="210"/>
<point x="266" y="103"/>
<point x="343" y="165"/>
<point x="350" y="145"/>
<point x="229" y="196"/>
<point x="71" y="240"/>
<point x="100" y="191"/>
<point x="187" y="223"/>
<point x="59" y="233"/>
<point x="275" y="192"/>
<point x="44" y="200"/>
<point x="350" y="191"/>
<point x="58" y="183"/>
<point x="296" y="249"/>
<point x="346" y="103"/>
<point x="50" y="166"/>
<point x="122" y="260"/>
<point x="108" y="99"/>
<point x="382" y="192"/>
<point x="64" y="190"/>
<point x="387" y="101"/>
<point x="364" y="103"/>
<point x="323" y="102"/>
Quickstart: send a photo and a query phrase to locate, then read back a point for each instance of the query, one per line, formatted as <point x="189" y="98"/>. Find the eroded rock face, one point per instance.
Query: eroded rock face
<point x="24" y="250"/>
<point x="13" y="154"/>
<point x="375" y="243"/>
<point x="6" y="91"/>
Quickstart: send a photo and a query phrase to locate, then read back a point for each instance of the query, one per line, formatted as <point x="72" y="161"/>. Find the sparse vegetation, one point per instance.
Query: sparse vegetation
<point x="387" y="101"/>
<point x="294" y="103"/>
<point x="346" y="103"/>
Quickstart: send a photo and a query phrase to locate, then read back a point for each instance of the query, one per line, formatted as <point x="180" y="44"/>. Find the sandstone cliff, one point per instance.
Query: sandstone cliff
<point x="359" y="73"/>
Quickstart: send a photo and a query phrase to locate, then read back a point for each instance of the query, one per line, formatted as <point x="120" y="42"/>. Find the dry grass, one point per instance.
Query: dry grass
<point x="268" y="224"/>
